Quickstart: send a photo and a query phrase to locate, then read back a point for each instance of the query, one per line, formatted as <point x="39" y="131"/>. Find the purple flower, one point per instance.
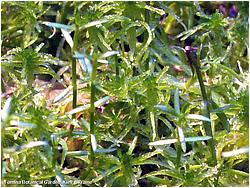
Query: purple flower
<point x="102" y="108"/>
<point x="233" y="11"/>
<point x="191" y="55"/>
<point x="163" y="19"/>
<point x="222" y="9"/>
<point x="189" y="49"/>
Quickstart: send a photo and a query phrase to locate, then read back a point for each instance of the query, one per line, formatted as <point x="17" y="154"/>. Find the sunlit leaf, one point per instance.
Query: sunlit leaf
<point x="62" y="95"/>
<point x="163" y="142"/>
<point x="197" y="138"/>
<point x="174" y="140"/>
<point x="109" y="53"/>
<point x="65" y="150"/>
<point x="85" y="62"/>
<point x="6" y="109"/>
<point x="58" y="25"/>
<point x="68" y="38"/>
<point x="219" y="112"/>
<point x="60" y="178"/>
<point x="235" y="152"/>
<point x="22" y="124"/>
<point x="132" y="146"/>
<point x="152" y="122"/>
<point x="170" y="173"/>
<point x="77" y="153"/>
<point x="146" y="156"/>
<point x="94" y="23"/>
<point x="69" y="171"/>
<point x="105" y="150"/>
<point x="198" y="117"/>
<point x="93" y="142"/>
<point x="166" y="108"/>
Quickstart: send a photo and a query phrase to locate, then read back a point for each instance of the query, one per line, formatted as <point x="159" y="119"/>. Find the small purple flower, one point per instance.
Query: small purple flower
<point x="222" y="9"/>
<point x="233" y="11"/>
<point x="191" y="55"/>
<point x="189" y="49"/>
<point x="163" y="19"/>
<point x="102" y="108"/>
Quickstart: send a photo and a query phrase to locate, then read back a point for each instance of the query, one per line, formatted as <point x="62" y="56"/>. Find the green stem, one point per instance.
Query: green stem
<point x="73" y="64"/>
<point x="64" y="12"/>
<point x="147" y="13"/>
<point x="116" y="67"/>
<point x="178" y="128"/>
<point x="207" y="125"/>
<point x="2" y="86"/>
<point x="92" y="109"/>
<point x="2" y="159"/>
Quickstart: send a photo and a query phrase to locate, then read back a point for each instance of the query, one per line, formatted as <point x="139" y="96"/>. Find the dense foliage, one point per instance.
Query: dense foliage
<point x="124" y="93"/>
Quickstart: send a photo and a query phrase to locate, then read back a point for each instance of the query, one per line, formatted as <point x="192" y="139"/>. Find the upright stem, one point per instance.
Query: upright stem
<point x="73" y="64"/>
<point x="116" y="67"/>
<point x="147" y="19"/>
<point x="2" y="86"/>
<point x="179" y="128"/>
<point x="207" y="125"/>
<point x="92" y="108"/>
<point x="2" y="159"/>
<point x="147" y="13"/>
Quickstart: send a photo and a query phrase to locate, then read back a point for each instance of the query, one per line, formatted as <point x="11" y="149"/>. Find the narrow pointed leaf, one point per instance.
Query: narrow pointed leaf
<point x="62" y="95"/>
<point x="198" y="117"/>
<point x="176" y="101"/>
<point x="65" y="149"/>
<point x="34" y="144"/>
<point x="222" y="116"/>
<point x="170" y="173"/>
<point x="153" y="125"/>
<point x="235" y="152"/>
<point x="85" y="62"/>
<point x="146" y="156"/>
<point x="77" y="153"/>
<point x="109" y="53"/>
<point x="22" y="124"/>
<point x="132" y="39"/>
<point x="70" y="170"/>
<point x="167" y="109"/>
<point x="67" y="37"/>
<point x="163" y="142"/>
<point x="93" y="142"/>
<point x="98" y="103"/>
<point x="132" y="146"/>
<point x="174" y="140"/>
<point x="60" y="178"/>
<point x="105" y="150"/>
<point x="102" y="101"/>
<point x="182" y="139"/>
<point x="198" y="138"/>
<point x="161" y="74"/>
<point x="79" y="109"/>
<point x="59" y="26"/>
<point x="6" y="109"/>
<point x="94" y="23"/>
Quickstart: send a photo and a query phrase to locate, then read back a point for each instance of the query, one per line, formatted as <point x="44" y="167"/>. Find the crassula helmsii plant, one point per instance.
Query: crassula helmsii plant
<point x="124" y="93"/>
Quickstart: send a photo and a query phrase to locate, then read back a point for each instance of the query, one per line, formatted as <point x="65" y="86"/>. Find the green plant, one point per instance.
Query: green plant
<point x="139" y="110"/>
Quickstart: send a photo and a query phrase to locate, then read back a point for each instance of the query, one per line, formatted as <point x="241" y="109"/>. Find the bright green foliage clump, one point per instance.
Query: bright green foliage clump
<point x="104" y="93"/>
